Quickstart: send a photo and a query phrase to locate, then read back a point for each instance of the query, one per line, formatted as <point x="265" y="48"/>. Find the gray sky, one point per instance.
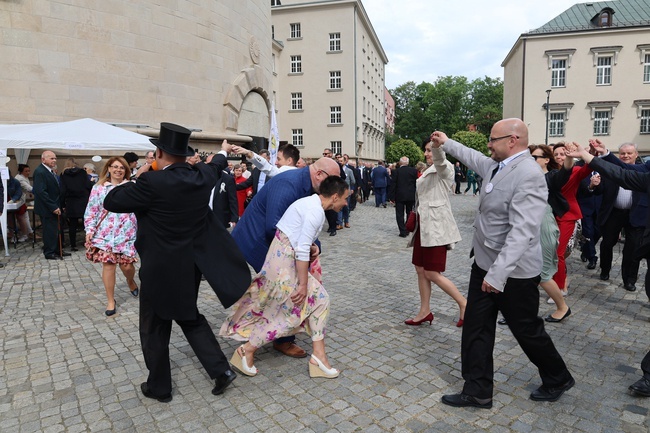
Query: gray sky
<point x="427" y="39"/>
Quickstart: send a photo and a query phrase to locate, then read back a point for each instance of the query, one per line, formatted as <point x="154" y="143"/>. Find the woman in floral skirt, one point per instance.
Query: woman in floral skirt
<point x="284" y="298"/>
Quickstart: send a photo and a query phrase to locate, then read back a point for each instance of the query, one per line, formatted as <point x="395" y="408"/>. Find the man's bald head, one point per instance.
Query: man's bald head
<point x="508" y="137"/>
<point x="322" y="168"/>
<point x="49" y="158"/>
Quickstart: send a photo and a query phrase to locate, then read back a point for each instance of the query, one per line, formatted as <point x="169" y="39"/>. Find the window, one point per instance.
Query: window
<point x="645" y="121"/>
<point x="272" y="32"/>
<point x="556" y="124"/>
<point x="604" y="71"/>
<point x="335" y="115"/>
<point x="336" y="147"/>
<point x="276" y="3"/>
<point x="601" y="122"/>
<point x="558" y="73"/>
<point x="335" y="79"/>
<point x="335" y="42"/>
<point x="295" y="31"/>
<point x="605" y="19"/>
<point x="646" y="69"/>
<point x="296" y="137"/>
<point x="296" y="101"/>
<point x="296" y="64"/>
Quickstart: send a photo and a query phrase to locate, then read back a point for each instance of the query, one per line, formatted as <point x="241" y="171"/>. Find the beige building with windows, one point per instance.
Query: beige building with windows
<point x="592" y="62"/>
<point x="203" y="64"/>
<point x="329" y="67"/>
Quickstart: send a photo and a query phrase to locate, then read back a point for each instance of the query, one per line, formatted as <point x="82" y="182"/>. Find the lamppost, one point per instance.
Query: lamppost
<point x="547" y="107"/>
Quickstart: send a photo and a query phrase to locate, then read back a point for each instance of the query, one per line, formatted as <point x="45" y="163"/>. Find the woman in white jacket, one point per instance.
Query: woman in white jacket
<point x="435" y="233"/>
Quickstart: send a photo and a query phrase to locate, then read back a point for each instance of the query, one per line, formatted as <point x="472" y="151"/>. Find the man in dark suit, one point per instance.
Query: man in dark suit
<point x="224" y="201"/>
<point x="622" y="209"/>
<point x="380" y="183"/>
<point x="403" y="191"/>
<point x="506" y="269"/>
<point x="352" y="198"/>
<point x="366" y="181"/>
<point x="47" y="204"/>
<point x="179" y="239"/>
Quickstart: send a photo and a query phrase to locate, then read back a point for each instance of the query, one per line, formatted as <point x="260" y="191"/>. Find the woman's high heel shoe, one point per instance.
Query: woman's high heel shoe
<point x="239" y="362"/>
<point x="460" y="323"/>
<point x="321" y="371"/>
<point x="134" y="292"/>
<point x="428" y="318"/>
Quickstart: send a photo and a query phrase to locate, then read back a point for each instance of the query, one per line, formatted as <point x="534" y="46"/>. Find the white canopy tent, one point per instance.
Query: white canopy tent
<point x="81" y="134"/>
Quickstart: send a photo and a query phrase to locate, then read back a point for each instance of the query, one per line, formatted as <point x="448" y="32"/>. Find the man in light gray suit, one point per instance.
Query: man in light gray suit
<point x="507" y="265"/>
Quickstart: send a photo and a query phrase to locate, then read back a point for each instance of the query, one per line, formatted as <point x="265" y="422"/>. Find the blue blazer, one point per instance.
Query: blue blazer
<point x="379" y="177"/>
<point x="256" y="228"/>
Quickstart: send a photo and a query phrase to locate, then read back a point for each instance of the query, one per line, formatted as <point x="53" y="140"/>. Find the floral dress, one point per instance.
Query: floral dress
<point x="113" y="234"/>
<point x="265" y="312"/>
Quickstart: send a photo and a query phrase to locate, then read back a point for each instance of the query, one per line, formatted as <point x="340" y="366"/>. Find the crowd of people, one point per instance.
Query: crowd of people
<point x="269" y="217"/>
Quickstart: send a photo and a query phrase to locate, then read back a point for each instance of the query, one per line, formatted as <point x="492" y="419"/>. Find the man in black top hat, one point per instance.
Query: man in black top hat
<point x="178" y="239"/>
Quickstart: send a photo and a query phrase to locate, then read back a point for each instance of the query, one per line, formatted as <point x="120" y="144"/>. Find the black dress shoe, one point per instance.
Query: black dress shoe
<point x="552" y="319"/>
<point x="604" y="276"/>
<point x="403" y="235"/>
<point x="464" y="400"/>
<point x="222" y="382"/>
<point x="630" y="287"/>
<point x="333" y="233"/>
<point x="502" y="321"/>
<point x="162" y="398"/>
<point x="65" y="254"/>
<point x="53" y="257"/>
<point x="74" y="249"/>
<point x="544" y="393"/>
<point x="641" y="387"/>
<point x="592" y="263"/>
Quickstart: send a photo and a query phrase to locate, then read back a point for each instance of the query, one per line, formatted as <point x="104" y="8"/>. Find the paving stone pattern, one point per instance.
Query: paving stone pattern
<point x="65" y="367"/>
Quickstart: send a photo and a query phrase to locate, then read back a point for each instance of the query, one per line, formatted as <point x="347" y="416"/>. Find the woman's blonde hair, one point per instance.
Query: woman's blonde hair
<point x="127" y="171"/>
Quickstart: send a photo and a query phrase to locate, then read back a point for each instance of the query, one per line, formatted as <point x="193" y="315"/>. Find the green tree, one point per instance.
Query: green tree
<point x="472" y="139"/>
<point x="446" y="104"/>
<point x="410" y="111"/>
<point x="485" y="103"/>
<point x="404" y="147"/>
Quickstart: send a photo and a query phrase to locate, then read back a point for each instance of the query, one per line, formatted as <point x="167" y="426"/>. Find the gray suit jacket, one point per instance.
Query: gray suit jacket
<point x="506" y="241"/>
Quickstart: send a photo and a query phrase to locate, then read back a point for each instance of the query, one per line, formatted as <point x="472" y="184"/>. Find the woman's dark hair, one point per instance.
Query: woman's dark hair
<point x="332" y="185"/>
<point x="22" y="167"/>
<point x="547" y="151"/>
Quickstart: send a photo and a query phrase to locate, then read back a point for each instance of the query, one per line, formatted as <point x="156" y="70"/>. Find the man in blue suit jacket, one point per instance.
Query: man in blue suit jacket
<point x="379" y="183"/>
<point x="256" y="228"/>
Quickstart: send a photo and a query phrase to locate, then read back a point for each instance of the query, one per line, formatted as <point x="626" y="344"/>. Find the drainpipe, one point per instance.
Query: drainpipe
<point x="356" y="147"/>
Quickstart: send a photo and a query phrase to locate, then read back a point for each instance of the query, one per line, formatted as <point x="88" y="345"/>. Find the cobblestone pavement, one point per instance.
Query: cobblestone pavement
<point x="66" y="367"/>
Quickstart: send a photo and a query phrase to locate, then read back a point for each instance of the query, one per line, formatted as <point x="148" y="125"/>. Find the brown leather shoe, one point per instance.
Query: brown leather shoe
<point x="347" y="225"/>
<point x="290" y="349"/>
<point x="339" y="227"/>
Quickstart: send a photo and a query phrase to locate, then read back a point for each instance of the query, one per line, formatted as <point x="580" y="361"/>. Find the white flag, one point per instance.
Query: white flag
<point x="274" y="137"/>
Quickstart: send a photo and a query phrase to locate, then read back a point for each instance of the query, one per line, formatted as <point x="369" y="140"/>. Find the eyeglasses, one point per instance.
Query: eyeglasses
<point x="538" y="156"/>
<point x="493" y="139"/>
<point x="326" y="154"/>
<point x="116" y="167"/>
<point x="326" y="173"/>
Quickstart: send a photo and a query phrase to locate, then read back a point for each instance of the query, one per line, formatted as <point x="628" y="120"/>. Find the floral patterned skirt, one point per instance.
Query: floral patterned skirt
<point x="265" y="312"/>
<point x="96" y="255"/>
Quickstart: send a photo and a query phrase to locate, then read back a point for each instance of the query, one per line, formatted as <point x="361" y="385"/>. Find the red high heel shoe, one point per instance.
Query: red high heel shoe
<point x="460" y="323"/>
<point x="428" y="318"/>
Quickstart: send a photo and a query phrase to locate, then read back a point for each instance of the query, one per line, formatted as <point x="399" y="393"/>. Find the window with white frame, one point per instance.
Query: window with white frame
<point x="556" y="124"/>
<point x="296" y="100"/>
<point x="296" y="64"/>
<point x="295" y="31"/>
<point x="604" y="71"/>
<point x="646" y="69"/>
<point x="335" y="115"/>
<point x="645" y="121"/>
<point x="558" y="73"/>
<point x="602" y="120"/>
<point x="336" y="147"/>
<point x="335" y="41"/>
<point x="296" y="137"/>
<point x="335" y="79"/>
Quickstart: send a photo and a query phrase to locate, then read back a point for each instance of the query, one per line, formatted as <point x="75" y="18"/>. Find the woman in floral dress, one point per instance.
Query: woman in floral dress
<point x="110" y="237"/>
<point x="284" y="298"/>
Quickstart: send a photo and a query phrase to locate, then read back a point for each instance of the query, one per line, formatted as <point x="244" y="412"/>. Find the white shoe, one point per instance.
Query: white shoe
<point x="239" y="362"/>
<point x="321" y="371"/>
<point x="22" y="239"/>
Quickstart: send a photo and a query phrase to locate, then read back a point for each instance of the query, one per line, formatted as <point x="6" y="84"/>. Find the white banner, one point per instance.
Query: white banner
<point x="274" y="137"/>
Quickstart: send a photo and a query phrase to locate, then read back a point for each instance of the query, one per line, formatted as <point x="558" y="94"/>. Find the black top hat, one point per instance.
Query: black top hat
<point x="173" y="139"/>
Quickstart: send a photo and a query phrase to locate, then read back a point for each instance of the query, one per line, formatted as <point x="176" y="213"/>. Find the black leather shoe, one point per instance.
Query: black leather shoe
<point x="65" y="254"/>
<point x="502" y="321"/>
<point x="222" y="382"/>
<point x="403" y="235"/>
<point x="604" y="276"/>
<point x="74" y="249"/>
<point x="162" y="398"/>
<point x="641" y="387"/>
<point x="464" y="400"/>
<point x="333" y="233"/>
<point x="592" y="263"/>
<point x="630" y="287"/>
<point x="552" y="319"/>
<point x="53" y="257"/>
<point x="551" y="394"/>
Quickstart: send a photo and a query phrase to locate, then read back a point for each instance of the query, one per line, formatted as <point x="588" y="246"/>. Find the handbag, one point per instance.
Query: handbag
<point x="410" y="221"/>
